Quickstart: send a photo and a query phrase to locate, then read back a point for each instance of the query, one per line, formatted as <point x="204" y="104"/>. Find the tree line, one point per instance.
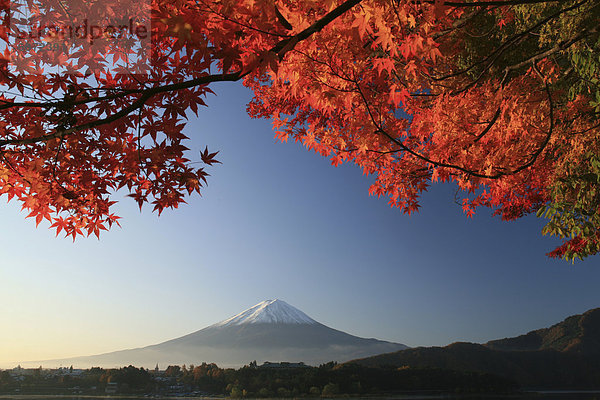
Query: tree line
<point x="255" y="381"/>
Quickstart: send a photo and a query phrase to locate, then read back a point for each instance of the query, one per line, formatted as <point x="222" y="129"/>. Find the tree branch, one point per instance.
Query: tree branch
<point x="499" y="174"/>
<point x="558" y="47"/>
<point x="493" y="56"/>
<point x="487" y="128"/>
<point x="281" y="48"/>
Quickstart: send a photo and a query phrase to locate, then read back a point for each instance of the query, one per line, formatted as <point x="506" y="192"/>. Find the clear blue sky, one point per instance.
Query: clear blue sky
<point x="279" y="222"/>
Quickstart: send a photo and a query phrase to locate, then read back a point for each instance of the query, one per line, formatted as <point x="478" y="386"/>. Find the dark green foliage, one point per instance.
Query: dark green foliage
<point x="574" y="211"/>
<point x="544" y="369"/>
<point x="130" y="379"/>
<point x="327" y="380"/>
<point x="331" y="379"/>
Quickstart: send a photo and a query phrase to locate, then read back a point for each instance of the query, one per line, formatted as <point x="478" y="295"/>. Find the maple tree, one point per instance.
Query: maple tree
<point x="500" y="97"/>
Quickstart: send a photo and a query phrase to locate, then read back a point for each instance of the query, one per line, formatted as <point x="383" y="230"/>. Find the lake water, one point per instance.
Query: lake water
<point x="545" y="395"/>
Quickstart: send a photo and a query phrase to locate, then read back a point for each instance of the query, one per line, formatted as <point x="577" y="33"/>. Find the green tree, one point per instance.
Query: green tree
<point x="236" y="392"/>
<point x="330" y="389"/>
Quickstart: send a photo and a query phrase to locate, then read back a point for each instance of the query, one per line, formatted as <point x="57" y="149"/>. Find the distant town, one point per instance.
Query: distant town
<point x="269" y="379"/>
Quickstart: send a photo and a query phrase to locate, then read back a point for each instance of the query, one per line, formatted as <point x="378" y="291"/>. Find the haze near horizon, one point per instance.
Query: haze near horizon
<point x="271" y="330"/>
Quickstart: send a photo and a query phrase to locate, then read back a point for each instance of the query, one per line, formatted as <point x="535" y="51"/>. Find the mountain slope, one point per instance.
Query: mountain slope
<point x="576" y="334"/>
<point x="560" y="357"/>
<point x="270" y="331"/>
<point x="547" y="369"/>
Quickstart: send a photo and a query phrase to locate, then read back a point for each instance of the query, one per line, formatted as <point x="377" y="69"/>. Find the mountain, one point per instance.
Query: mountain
<point x="563" y="356"/>
<point x="272" y="330"/>
<point x="576" y="334"/>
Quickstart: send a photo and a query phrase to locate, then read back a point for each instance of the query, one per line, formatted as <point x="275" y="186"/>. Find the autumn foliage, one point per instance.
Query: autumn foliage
<point x="500" y="97"/>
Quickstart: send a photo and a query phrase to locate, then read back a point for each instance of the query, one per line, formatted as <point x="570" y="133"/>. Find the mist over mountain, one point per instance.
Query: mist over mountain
<point x="272" y="330"/>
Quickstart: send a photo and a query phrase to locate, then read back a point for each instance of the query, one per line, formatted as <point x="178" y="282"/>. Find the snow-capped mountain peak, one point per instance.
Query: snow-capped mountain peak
<point x="269" y="312"/>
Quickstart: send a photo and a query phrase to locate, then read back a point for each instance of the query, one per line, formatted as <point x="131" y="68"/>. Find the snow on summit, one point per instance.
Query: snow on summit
<point x="269" y="312"/>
